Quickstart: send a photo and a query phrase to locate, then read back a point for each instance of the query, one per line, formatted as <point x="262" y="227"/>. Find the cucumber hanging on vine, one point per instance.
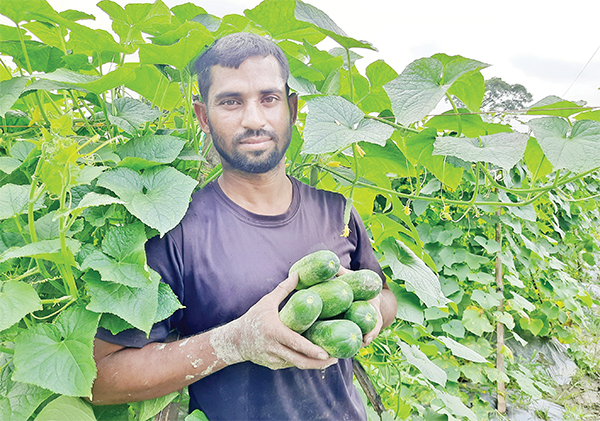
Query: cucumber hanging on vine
<point x="347" y="211"/>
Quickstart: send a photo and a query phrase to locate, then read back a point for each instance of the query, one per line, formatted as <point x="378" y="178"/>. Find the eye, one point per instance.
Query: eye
<point x="228" y="102"/>
<point x="270" y="99"/>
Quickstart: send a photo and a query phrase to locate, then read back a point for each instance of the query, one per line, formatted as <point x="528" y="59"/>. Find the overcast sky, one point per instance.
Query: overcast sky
<point x="543" y="45"/>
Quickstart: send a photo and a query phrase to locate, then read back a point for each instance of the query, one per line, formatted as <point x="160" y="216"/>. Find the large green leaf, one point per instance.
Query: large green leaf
<point x="14" y="200"/>
<point x="277" y="17"/>
<point x="159" y="197"/>
<point x="379" y="163"/>
<point x="333" y="123"/>
<point x="66" y="408"/>
<point x="129" y="114"/>
<point x="471" y="125"/>
<point x="68" y="79"/>
<point x="17" y="400"/>
<point x="148" y="151"/>
<point x="168" y="302"/>
<point x="91" y="42"/>
<point x="123" y="258"/>
<point x="502" y="149"/>
<point x="47" y="33"/>
<point x="308" y="13"/>
<point x="455" y="406"/>
<point x="45" y="249"/>
<point x="17" y="299"/>
<point x="93" y="199"/>
<point x="42" y="57"/>
<point x="419" y="278"/>
<point x="417" y="358"/>
<point x="137" y="306"/>
<point x="10" y="90"/>
<point x="150" y="407"/>
<point x="25" y="10"/>
<point x="409" y="306"/>
<point x="180" y="54"/>
<point x="150" y="83"/>
<point x="470" y="89"/>
<point x="459" y="350"/>
<point x="59" y="356"/>
<point x="419" y="150"/>
<point x="424" y="82"/>
<point x="8" y="164"/>
<point x="536" y="161"/>
<point x="476" y="322"/>
<point x="576" y="148"/>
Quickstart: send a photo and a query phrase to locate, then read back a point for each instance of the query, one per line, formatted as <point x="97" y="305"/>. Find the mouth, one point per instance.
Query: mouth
<point x="255" y="142"/>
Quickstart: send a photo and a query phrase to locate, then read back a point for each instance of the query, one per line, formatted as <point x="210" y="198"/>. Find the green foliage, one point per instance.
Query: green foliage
<point x="100" y="151"/>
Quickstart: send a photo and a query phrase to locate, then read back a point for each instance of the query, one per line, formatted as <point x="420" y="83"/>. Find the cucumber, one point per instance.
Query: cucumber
<point x="336" y="295"/>
<point x="340" y="338"/>
<point x="365" y="284"/>
<point x="301" y="310"/>
<point x="363" y="314"/>
<point x="315" y="268"/>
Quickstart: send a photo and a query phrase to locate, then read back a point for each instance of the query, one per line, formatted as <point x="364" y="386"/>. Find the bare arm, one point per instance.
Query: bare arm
<point x="132" y="374"/>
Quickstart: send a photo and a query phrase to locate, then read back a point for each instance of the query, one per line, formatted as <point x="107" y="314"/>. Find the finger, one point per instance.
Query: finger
<point x="300" y="344"/>
<point x="343" y="271"/>
<point x="284" y="288"/>
<point x="301" y="361"/>
<point x="368" y="338"/>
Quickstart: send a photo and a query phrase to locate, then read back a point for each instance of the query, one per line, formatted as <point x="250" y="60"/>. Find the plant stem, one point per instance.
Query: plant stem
<point x="435" y="199"/>
<point x="66" y="269"/>
<point x="350" y="77"/>
<point x="458" y="119"/>
<point x="500" y="327"/>
<point x="391" y="123"/>
<point x="7" y="350"/>
<point x="30" y="218"/>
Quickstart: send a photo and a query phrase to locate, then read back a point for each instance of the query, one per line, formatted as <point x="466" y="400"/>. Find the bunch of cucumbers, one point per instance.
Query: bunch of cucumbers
<point x="332" y="312"/>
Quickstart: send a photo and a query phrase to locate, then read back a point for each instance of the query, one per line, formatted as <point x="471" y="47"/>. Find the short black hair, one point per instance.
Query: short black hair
<point x="231" y="51"/>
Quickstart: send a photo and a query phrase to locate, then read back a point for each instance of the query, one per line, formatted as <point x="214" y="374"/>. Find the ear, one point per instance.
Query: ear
<point x="293" y="104"/>
<point x="202" y="116"/>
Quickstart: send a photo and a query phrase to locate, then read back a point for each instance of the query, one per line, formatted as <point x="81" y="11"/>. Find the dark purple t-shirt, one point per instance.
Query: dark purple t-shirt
<point x="220" y="260"/>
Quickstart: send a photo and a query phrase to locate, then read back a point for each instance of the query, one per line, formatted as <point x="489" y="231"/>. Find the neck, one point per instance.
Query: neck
<point x="264" y="194"/>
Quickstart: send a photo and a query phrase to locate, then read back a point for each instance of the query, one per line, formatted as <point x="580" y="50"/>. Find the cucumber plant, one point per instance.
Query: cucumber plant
<point x="99" y="151"/>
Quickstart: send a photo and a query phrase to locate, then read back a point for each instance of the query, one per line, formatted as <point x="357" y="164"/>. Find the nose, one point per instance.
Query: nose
<point x="254" y="116"/>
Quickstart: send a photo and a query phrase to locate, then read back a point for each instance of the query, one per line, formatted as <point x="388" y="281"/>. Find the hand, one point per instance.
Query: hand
<point x="376" y="303"/>
<point x="260" y="336"/>
<point x="368" y="338"/>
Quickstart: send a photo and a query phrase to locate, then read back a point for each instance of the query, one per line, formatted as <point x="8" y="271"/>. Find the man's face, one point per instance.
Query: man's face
<point x="248" y="115"/>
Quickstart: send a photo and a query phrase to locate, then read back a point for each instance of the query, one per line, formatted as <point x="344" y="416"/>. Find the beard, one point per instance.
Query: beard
<point x="253" y="162"/>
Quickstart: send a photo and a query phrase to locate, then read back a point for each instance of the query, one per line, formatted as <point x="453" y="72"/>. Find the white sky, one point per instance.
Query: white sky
<point x="541" y="44"/>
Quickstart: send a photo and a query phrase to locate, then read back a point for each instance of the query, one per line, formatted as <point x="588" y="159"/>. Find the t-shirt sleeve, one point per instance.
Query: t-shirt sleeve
<point x="363" y="256"/>
<point x="165" y="258"/>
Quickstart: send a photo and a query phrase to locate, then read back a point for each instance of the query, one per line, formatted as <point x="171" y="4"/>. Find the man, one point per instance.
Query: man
<point x="226" y="260"/>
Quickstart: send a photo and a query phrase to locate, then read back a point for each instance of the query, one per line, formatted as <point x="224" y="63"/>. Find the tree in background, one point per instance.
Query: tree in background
<point x="502" y="96"/>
